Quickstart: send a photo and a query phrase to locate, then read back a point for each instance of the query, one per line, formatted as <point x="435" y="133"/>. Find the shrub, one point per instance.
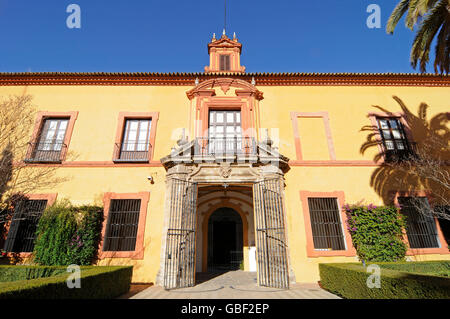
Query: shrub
<point x="68" y="235"/>
<point x="349" y="280"/>
<point x="97" y="282"/>
<point x="377" y="232"/>
<point x="435" y="268"/>
<point x="15" y="273"/>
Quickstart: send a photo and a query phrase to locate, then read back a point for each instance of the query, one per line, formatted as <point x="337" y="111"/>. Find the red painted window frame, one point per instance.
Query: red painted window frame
<point x="138" y="252"/>
<point x="443" y="250"/>
<point x="311" y="251"/>
<point x="44" y="115"/>
<point x="51" y="199"/>
<point x="123" y="117"/>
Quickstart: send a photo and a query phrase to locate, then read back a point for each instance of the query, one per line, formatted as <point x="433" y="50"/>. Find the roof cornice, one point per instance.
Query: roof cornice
<point x="188" y="79"/>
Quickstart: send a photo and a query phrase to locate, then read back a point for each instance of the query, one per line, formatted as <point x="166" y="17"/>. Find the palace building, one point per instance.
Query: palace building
<point x="223" y="169"/>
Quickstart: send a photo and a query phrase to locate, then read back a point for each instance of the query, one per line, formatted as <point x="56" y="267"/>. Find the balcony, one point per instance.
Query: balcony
<point x="226" y="146"/>
<point x="394" y="156"/>
<point x="132" y="152"/>
<point x="46" y="152"/>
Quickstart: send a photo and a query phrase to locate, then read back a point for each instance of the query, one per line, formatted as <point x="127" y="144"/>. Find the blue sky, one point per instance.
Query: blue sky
<point x="171" y="36"/>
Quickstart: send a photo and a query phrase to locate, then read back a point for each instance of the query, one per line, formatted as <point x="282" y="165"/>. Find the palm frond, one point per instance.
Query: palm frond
<point x="442" y="49"/>
<point x="413" y="13"/>
<point x="396" y="15"/>
<point x="427" y="30"/>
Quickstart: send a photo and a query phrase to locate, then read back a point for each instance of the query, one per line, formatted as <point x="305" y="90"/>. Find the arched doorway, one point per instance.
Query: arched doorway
<point x="225" y="240"/>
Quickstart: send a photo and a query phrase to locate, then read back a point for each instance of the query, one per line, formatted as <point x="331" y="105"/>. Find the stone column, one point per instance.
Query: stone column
<point x="180" y="172"/>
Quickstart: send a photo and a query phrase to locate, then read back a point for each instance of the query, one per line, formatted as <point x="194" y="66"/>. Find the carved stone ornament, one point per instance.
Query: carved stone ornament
<point x="225" y="171"/>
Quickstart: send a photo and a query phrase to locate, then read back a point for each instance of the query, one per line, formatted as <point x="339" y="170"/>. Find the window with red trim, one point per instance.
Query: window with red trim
<point x="420" y="225"/>
<point x="326" y="223"/>
<point x="22" y="232"/>
<point x="122" y="225"/>
<point x="395" y="143"/>
<point x="50" y="144"/>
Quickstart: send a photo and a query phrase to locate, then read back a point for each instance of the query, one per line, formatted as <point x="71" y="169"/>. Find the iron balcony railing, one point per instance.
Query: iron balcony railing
<point x="225" y="146"/>
<point x="50" y="152"/>
<point x="132" y="152"/>
<point x="397" y="155"/>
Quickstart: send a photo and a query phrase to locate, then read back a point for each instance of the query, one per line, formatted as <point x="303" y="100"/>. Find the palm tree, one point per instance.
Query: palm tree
<point x="433" y="18"/>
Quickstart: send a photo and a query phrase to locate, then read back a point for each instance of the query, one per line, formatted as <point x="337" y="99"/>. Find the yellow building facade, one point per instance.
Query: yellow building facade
<point x="225" y="169"/>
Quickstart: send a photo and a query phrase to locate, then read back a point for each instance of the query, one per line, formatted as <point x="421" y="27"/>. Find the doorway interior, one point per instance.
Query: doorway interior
<point x="225" y="241"/>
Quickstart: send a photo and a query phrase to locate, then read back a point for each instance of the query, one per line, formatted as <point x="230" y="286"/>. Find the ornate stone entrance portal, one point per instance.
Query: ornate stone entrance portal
<point x="189" y="175"/>
<point x="224" y="166"/>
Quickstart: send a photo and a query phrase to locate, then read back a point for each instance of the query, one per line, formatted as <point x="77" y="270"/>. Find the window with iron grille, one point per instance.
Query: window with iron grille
<point x="50" y="142"/>
<point x="136" y="140"/>
<point x="122" y="225"/>
<point x="22" y="232"/>
<point x="224" y="62"/>
<point x="420" y="228"/>
<point x="326" y="224"/>
<point x="395" y="143"/>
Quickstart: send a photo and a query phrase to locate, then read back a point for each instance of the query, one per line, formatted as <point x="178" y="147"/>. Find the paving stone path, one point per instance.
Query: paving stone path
<point x="235" y="285"/>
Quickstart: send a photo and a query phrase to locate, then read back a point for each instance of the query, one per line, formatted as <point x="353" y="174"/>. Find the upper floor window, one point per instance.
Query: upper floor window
<point x="326" y="224"/>
<point x="224" y="62"/>
<point x="225" y="132"/>
<point x="22" y="232"/>
<point x="50" y="146"/>
<point x="420" y="226"/>
<point x="394" y="140"/>
<point x="135" y="145"/>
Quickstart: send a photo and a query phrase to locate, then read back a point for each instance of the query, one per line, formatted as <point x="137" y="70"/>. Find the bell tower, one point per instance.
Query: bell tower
<point x="224" y="55"/>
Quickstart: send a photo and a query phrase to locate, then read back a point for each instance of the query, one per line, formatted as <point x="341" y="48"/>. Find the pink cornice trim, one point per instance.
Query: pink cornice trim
<point x="365" y="163"/>
<point x="93" y="164"/>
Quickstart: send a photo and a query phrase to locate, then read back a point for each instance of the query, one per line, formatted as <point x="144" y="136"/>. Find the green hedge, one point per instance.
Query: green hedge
<point x="348" y="280"/>
<point x="436" y="268"/>
<point x="97" y="282"/>
<point x="15" y="273"/>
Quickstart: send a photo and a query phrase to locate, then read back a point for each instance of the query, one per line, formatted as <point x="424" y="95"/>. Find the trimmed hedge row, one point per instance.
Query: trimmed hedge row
<point x="349" y="280"/>
<point x="435" y="268"/>
<point x="15" y="273"/>
<point x="97" y="282"/>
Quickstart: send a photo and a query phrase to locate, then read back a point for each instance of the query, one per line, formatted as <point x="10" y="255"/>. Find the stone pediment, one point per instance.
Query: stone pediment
<point x="225" y="84"/>
<point x="197" y="152"/>
<point x="224" y="42"/>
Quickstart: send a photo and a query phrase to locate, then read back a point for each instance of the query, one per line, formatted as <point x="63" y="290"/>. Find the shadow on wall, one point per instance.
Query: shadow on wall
<point x="6" y="165"/>
<point x="425" y="168"/>
<point x="431" y="138"/>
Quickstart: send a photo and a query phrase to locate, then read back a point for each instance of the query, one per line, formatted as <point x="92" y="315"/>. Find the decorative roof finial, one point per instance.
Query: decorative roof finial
<point x="223" y="33"/>
<point x="197" y="81"/>
<point x="225" y="19"/>
<point x="253" y="81"/>
<point x="214" y="37"/>
<point x="234" y="35"/>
